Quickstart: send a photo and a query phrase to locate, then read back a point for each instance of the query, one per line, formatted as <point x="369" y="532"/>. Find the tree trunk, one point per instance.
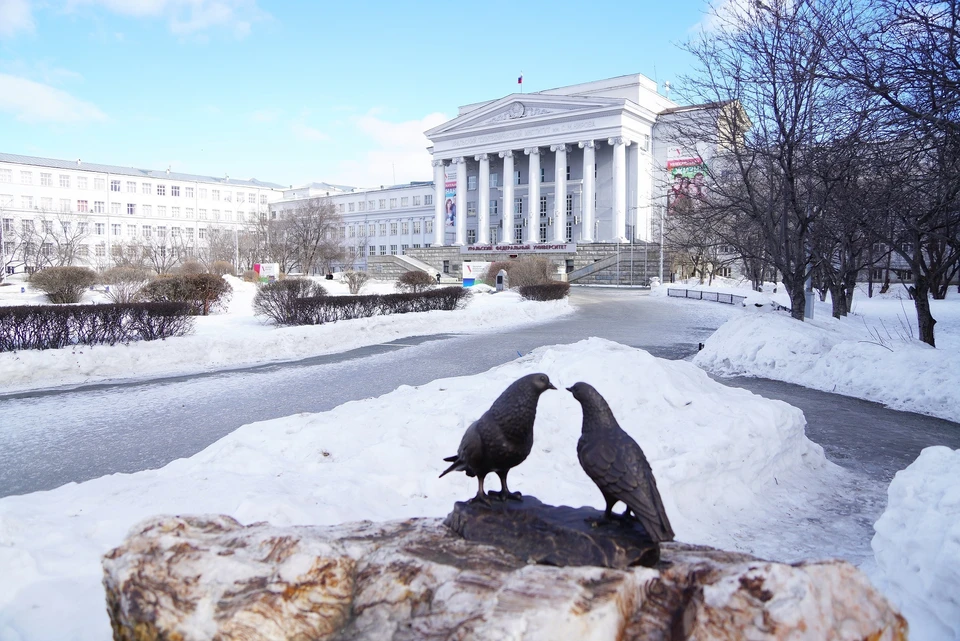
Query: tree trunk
<point x="925" y="320"/>
<point x="797" y="298"/>
<point x="838" y="300"/>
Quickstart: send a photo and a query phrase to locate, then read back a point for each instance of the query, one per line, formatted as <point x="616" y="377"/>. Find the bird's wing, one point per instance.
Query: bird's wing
<point x="471" y="445"/>
<point x="636" y="486"/>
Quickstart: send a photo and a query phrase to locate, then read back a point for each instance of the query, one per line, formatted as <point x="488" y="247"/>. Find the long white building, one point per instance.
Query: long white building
<point x="47" y="205"/>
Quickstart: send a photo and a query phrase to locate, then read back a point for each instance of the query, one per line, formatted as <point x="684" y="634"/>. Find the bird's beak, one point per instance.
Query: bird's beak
<point x="552" y="386"/>
<point x="570" y="389"/>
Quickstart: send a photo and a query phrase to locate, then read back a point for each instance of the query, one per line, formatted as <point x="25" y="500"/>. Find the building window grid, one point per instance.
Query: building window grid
<point x="65" y="181"/>
<point x="46" y="180"/>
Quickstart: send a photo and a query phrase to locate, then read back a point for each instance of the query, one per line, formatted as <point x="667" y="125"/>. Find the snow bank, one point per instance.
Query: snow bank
<point x="917" y="544"/>
<point x="735" y="471"/>
<point x="237" y="338"/>
<point x="852" y="356"/>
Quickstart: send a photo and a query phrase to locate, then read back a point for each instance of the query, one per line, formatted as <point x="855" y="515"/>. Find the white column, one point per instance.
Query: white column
<point x="483" y="200"/>
<point x="506" y="210"/>
<point x="533" y="194"/>
<point x="619" y="189"/>
<point x="560" y="194"/>
<point x="461" y="220"/>
<point x="439" y="192"/>
<point x="589" y="191"/>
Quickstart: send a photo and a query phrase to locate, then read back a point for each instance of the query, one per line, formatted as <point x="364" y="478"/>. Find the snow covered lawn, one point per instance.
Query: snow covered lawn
<point x="236" y="337"/>
<point x="735" y="471"/>
<point x="871" y="354"/>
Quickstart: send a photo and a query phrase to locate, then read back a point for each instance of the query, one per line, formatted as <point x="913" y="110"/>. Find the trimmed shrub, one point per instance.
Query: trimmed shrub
<point x="277" y="300"/>
<point x="529" y="270"/>
<point x="548" y="291"/>
<point x="249" y="276"/>
<point x="221" y="268"/>
<point x="415" y="282"/>
<point x="191" y="268"/>
<point x="63" y="284"/>
<point x="356" y="281"/>
<point x="125" y="283"/>
<point x="329" y="309"/>
<point x="204" y="292"/>
<point x="51" y="327"/>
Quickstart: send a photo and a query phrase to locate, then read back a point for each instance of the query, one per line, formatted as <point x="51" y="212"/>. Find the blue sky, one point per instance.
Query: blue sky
<point x="291" y="92"/>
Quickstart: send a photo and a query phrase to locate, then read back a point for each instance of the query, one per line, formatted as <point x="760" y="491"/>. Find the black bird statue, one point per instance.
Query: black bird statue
<point x="502" y="438"/>
<point x="617" y="465"/>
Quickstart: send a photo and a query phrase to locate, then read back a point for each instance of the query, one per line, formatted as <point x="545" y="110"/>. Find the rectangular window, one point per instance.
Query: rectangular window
<point x="383" y="229"/>
<point x="361" y="205"/>
<point x="100" y="250"/>
<point x="175" y="231"/>
<point x="494" y="235"/>
<point x="373" y="229"/>
<point x="252" y="199"/>
<point x="161" y="232"/>
<point x="393" y="229"/>
<point x="404" y="248"/>
<point x="405" y="201"/>
<point x="404" y="228"/>
<point x="393" y="250"/>
<point x="215" y="194"/>
<point x="569" y="205"/>
<point x="81" y="182"/>
<point x="543" y="232"/>
<point x="393" y="203"/>
<point x="161" y="211"/>
<point x="115" y="209"/>
<point x="189" y="233"/>
<point x="371" y="250"/>
<point x="114" y="185"/>
<point x="568" y="172"/>
<point x="175" y="212"/>
<point x="82" y="228"/>
<point x="188" y="192"/>
<point x="371" y="205"/>
<point x="65" y="181"/>
<point x="99" y="184"/>
<point x="428" y="227"/>
<point x="26" y="202"/>
<point x="147" y="231"/>
<point x="201" y="233"/>
<point x="65" y="225"/>
<point x="416" y="227"/>
<point x="131" y="209"/>
<point x="471" y="208"/>
<point x="518" y="233"/>
<point x="494" y="180"/>
<point x="543" y="205"/>
<point x="203" y="214"/>
<point x="100" y="229"/>
<point x="6" y="175"/>
<point x="216" y="214"/>
<point x="516" y="177"/>
<point x="416" y="201"/>
<point x="46" y="180"/>
<point x="569" y="231"/>
<point x="471" y="236"/>
<point x="46" y="203"/>
<point x="341" y="207"/>
<point x="428" y="199"/>
<point x="146" y="210"/>
<point x="161" y="189"/>
<point x="99" y="206"/>
<point x="383" y="250"/>
<point x="446" y="267"/>
<point x="263" y="199"/>
<point x="202" y="193"/>
<point x="115" y="229"/>
<point x="131" y="230"/>
<point x="383" y="203"/>
<point x="131" y="187"/>
<point x="26" y="178"/>
<point x="48" y="226"/>
<point x="494" y="207"/>
<point x="352" y="231"/>
<point x="543" y="174"/>
<point x="351" y="206"/>
<point x="83" y="206"/>
<point x="26" y="226"/>
<point x="175" y="190"/>
<point x="8" y="224"/>
<point x="518" y="206"/>
<point x="189" y="212"/>
<point x="64" y="205"/>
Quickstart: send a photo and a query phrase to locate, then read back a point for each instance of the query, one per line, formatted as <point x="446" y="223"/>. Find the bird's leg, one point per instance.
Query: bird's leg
<point x="608" y="515"/>
<point x="481" y="496"/>
<point x="505" y="494"/>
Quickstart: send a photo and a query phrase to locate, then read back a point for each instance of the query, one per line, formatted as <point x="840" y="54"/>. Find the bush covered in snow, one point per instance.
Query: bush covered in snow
<point x="204" y="292"/>
<point x="547" y="291"/>
<point x="63" y="284"/>
<point x="415" y="282"/>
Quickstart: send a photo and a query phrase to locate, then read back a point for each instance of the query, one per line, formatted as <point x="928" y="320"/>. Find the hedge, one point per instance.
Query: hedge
<point x="330" y="309"/>
<point x="548" y="291"/>
<point x="53" y="327"/>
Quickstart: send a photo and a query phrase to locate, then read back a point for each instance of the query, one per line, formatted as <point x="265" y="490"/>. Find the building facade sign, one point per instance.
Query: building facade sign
<point x="521" y="248"/>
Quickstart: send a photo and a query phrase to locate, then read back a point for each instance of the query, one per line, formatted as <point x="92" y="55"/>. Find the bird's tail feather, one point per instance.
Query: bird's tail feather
<point x="456" y="466"/>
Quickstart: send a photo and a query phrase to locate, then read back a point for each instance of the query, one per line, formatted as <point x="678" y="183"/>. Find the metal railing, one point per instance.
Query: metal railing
<point x="697" y="294"/>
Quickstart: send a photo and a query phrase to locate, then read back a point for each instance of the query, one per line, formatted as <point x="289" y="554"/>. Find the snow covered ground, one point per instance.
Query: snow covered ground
<point x="917" y="545"/>
<point x="872" y="354"/>
<point x="236" y="337"/>
<point x="735" y="471"/>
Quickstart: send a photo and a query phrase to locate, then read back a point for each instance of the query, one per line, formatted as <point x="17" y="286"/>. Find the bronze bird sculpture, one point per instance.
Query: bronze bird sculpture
<point x="502" y="438"/>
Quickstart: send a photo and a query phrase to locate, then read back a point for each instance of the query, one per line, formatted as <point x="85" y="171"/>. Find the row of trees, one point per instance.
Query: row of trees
<point x="835" y="132"/>
<point x="305" y="238"/>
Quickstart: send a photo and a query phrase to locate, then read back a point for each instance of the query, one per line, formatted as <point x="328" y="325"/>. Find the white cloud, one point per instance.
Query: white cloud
<point x="398" y="151"/>
<point x="187" y="17"/>
<point x="305" y="132"/>
<point x="34" y="102"/>
<point x="15" y="16"/>
<point x="265" y="115"/>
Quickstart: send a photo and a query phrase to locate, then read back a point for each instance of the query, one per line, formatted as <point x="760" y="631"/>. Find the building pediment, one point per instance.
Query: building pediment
<point x="521" y="109"/>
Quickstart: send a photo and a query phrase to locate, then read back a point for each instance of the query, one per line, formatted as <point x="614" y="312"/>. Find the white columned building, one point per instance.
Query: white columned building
<point x="600" y="136"/>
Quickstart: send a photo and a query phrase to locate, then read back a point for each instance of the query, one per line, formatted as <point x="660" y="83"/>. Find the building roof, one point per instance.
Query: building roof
<point x="131" y="171"/>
